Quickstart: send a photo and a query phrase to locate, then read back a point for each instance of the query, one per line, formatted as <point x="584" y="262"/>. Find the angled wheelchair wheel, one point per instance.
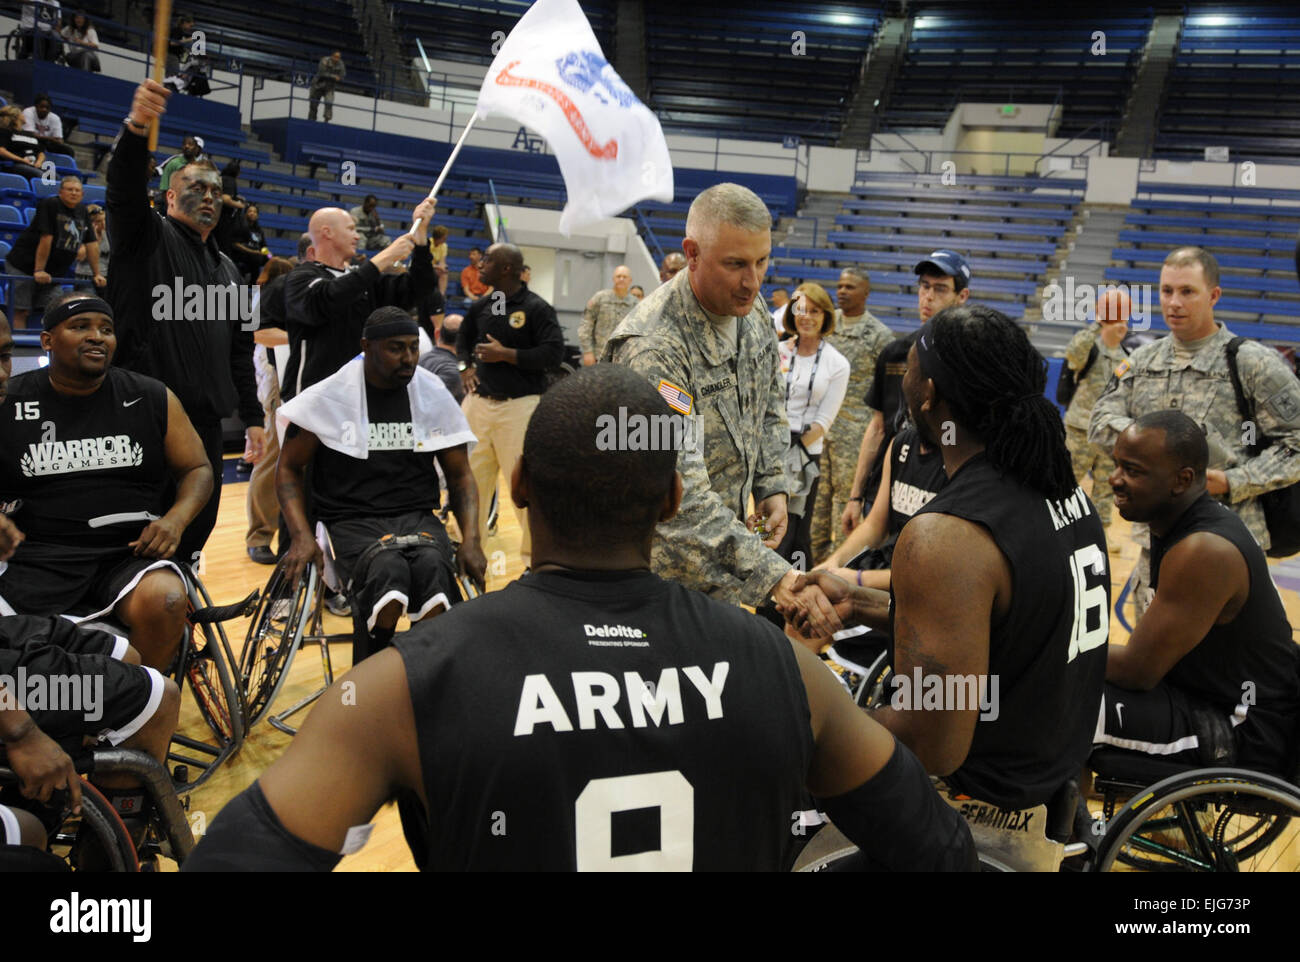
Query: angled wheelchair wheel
<point x="205" y="664"/>
<point x="273" y="637"/>
<point x="1209" y="820"/>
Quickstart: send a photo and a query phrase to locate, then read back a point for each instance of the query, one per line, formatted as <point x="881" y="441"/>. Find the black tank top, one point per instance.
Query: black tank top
<point x="915" y="477"/>
<point x="1049" y="653"/>
<point x="576" y="718"/>
<point x="87" y="471"/>
<point x="1250" y="667"/>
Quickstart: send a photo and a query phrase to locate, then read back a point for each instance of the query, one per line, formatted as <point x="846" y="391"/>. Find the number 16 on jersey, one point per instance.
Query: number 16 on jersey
<point x="1090" y="604"/>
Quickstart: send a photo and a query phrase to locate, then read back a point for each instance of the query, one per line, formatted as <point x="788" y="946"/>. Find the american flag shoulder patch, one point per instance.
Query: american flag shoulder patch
<point x="1124" y="368"/>
<point x="677" y="399"/>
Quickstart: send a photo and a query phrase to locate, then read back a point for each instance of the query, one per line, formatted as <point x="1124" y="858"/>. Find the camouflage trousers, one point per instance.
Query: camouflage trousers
<point x="838" y="464"/>
<point x="1087" y="458"/>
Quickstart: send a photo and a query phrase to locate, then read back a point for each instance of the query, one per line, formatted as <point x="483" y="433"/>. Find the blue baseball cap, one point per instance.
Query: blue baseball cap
<point x="945" y="262"/>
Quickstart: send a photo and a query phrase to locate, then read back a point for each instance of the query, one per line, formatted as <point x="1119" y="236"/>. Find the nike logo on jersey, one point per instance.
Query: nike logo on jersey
<point x="597" y="694"/>
<point x="1119" y="713"/>
<point x="127" y="404"/>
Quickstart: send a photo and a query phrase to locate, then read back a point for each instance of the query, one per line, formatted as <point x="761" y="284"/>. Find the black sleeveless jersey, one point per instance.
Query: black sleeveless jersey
<point x="1048" y="655"/>
<point x="1250" y="667"/>
<point x="83" y="471"/>
<point x="915" y="476"/>
<point x="606" y="720"/>
<point x="395" y="479"/>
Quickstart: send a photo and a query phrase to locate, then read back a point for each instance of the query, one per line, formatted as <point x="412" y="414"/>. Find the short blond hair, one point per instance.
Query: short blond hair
<point x="818" y="297"/>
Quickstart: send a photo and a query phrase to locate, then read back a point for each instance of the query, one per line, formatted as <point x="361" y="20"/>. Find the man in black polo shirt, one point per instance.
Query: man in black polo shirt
<point x="171" y="289"/>
<point x="1211" y="674"/>
<point x="48" y="248"/>
<point x="86" y="454"/>
<point x="507" y="340"/>
<point x="943" y="279"/>
<point x="1000" y="583"/>
<point x="374" y="476"/>
<point x="592" y="715"/>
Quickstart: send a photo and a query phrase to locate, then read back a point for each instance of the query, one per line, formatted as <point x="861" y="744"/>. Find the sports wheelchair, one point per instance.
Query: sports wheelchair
<point x="1157" y="815"/>
<point x="290" y="614"/>
<point x="98" y="834"/>
<point x="204" y="663"/>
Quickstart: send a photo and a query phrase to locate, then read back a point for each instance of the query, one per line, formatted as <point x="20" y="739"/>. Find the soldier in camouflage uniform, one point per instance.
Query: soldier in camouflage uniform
<point x="859" y="336"/>
<point x="1189" y="371"/>
<point x="1106" y="335"/>
<point x="605" y="309"/>
<point x="705" y="340"/>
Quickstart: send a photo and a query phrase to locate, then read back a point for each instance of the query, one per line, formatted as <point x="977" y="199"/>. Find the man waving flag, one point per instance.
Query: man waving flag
<point x="550" y="75"/>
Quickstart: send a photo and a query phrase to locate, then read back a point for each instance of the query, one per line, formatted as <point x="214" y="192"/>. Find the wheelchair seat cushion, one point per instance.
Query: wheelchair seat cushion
<point x="1138" y="768"/>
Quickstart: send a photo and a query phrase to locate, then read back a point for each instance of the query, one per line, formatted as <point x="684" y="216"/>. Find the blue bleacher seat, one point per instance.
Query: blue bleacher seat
<point x="95" y="194"/>
<point x="15" y="190"/>
<point x="43" y="190"/>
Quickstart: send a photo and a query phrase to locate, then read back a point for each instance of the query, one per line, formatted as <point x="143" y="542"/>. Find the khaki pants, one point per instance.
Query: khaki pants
<point x="499" y="427"/>
<point x="262" y="506"/>
<point x="839" y="462"/>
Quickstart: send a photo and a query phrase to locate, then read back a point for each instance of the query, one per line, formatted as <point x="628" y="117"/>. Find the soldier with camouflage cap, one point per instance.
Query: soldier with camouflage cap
<point x="605" y="309"/>
<point x="860" y="337"/>
<point x="1189" y="372"/>
<point x="705" y="340"/>
<point x="1106" y="336"/>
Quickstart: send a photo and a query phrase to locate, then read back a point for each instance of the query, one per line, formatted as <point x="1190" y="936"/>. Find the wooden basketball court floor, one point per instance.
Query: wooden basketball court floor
<point x="229" y="574"/>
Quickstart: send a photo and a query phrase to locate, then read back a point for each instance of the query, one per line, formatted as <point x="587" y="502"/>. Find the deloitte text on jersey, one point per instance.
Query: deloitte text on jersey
<point x="207" y="302"/>
<point x="922" y="691"/>
<point x="654" y="432"/>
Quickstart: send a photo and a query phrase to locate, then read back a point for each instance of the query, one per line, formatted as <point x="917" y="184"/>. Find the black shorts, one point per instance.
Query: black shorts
<point x="44" y="579"/>
<point x="70" y="695"/>
<point x="420" y="578"/>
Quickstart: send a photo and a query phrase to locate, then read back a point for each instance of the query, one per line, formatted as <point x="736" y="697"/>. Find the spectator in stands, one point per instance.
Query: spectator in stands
<point x="329" y="74"/>
<point x="673" y="263"/>
<point x="816" y="376"/>
<point x="41" y="21"/>
<point x="1189" y="371"/>
<point x="41" y="120"/>
<point x="185" y="72"/>
<point x="605" y="309"/>
<point x="943" y="280"/>
<point x="80" y="43"/>
<point x="1093" y="354"/>
<point x="249" y="244"/>
<point x="20" y="151"/>
<point x="442" y="360"/>
<point x="207" y="360"/>
<point x="369" y="225"/>
<point x="47" y="249"/>
<point x="438" y="251"/>
<point x="230" y="199"/>
<point x="470" y="285"/>
<point x="86" y="273"/>
<point x="191" y="151"/>
<point x="638" y="292"/>
<point x="261" y="505"/>
<point x="526" y="275"/>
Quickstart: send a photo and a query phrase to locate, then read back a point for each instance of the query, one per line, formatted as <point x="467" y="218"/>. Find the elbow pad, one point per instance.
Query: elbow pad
<point x="901" y="823"/>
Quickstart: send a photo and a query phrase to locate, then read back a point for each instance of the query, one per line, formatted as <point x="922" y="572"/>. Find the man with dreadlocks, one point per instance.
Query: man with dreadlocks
<point x="1000" y="583"/>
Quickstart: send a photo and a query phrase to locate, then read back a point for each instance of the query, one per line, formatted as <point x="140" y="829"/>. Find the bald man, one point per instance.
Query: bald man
<point x="327" y="301"/>
<point x="605" y="309"/>
<point x="1093" y="354"/>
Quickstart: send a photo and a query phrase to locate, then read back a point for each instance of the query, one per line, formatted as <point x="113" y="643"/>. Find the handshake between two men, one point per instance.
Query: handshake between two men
<point x="825" y="603"/>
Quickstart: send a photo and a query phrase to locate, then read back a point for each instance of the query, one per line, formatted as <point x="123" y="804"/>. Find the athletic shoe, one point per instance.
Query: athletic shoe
<point x="262" y="554"/>
<point x="338" y="605"/>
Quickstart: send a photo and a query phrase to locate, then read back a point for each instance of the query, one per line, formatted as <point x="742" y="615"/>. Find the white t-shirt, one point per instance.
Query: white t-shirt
<point x="51" y="126"/>
<point x="828" y="386"/>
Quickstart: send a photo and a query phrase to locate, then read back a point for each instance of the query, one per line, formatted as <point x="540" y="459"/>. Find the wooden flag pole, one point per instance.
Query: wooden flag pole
<point x="162" y="14"/>
<point x="447" y="166"/>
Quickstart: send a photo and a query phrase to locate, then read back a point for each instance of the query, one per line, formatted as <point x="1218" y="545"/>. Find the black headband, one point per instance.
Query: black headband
<point x="397" y="327"/>
<point x="82" y="305"/>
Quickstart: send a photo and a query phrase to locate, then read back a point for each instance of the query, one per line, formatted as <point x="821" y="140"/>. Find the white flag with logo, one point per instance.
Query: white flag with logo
<point x="550" y="75"/>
